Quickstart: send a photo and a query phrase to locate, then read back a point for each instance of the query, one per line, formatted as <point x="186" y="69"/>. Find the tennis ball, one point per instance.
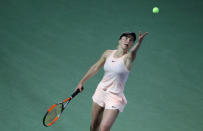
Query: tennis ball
<point x="155" y="10"/>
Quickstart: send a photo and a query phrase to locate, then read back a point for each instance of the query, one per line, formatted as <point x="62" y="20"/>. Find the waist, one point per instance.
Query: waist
<point x="113" y="87"/>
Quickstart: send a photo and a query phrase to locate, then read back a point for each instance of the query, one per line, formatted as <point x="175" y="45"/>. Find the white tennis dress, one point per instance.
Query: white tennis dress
<point x="109" y="92"/>
<point x="116" y="74"/>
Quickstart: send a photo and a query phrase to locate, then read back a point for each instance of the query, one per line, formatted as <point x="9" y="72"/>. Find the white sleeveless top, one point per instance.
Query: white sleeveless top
<point x="116" y="74"/>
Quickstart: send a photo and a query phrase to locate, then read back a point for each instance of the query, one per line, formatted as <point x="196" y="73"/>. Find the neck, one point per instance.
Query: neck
<point x="120" y="52"/>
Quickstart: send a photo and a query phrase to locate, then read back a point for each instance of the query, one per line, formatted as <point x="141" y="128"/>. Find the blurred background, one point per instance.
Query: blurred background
<point x="47" y="46"/>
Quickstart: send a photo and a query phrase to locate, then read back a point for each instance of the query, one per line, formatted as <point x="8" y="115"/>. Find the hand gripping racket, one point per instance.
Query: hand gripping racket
<point x="54" y="112"/>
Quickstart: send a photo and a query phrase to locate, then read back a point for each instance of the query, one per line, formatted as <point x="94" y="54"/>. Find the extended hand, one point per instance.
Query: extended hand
<point x="141" y="36"/>
<point x="80" y="87"/>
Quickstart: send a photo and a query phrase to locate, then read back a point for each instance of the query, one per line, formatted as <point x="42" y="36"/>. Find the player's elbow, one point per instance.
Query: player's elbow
<point x="95" y="68"/>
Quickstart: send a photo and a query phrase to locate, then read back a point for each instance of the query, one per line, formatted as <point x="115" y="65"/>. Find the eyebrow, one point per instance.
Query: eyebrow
<point x="129" y="37"/>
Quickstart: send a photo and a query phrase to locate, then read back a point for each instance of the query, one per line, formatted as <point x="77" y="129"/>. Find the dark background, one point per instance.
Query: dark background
<point x="46" y="46"/>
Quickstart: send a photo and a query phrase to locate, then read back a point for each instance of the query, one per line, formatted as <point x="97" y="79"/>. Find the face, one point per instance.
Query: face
<point x="126" y="42"/>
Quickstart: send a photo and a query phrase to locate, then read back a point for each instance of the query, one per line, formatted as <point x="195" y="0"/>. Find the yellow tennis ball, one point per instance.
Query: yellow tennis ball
<point x="155" y="10"/>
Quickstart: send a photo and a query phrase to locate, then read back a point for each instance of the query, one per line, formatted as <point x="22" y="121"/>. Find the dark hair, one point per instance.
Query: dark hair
<point x="127" y="34"/>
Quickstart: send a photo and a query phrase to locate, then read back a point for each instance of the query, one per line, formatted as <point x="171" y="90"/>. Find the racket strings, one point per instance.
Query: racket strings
<point x="53" y="114"/>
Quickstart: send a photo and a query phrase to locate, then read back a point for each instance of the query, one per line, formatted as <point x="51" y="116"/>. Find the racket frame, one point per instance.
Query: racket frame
<point x="64" y="105"/>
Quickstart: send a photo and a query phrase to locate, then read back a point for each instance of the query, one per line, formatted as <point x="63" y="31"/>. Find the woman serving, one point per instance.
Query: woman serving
<point x="109" y="99"/>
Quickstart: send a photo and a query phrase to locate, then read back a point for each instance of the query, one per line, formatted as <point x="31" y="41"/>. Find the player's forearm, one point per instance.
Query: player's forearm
<point x="91" y="72"/>
<point x="136" y="47"/>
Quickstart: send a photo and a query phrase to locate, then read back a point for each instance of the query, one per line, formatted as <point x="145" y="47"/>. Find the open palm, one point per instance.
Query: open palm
<point x="141" y="36"/>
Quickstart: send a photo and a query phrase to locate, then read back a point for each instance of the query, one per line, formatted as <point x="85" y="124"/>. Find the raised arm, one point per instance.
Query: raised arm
<point x="132" y="53"/>
<point x="94" y="69"/>
<point x="134" y="49"/>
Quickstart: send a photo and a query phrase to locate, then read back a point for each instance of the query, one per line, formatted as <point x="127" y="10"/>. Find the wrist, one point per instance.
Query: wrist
<point x="139" y="41"/>
<point x="81" y="82"/>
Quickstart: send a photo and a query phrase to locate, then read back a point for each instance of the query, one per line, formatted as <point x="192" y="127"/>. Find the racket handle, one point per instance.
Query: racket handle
<point x="76" y="92"/>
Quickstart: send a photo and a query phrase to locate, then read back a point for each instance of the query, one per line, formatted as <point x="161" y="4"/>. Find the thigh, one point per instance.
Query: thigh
<point x="97" y="112"/>
<point x="115" y="101"/>
<point x="109" y="117"/>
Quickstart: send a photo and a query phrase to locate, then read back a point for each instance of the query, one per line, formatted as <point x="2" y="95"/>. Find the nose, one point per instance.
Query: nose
<point x="128" y="40"/>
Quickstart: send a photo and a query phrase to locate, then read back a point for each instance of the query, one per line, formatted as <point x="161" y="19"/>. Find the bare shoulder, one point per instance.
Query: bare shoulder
<point x="107" y="53"/>
<point x="102" y="60"/>
<point x="129" y="56"/>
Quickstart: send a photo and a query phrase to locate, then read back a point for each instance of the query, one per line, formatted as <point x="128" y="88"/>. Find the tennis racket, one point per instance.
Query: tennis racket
<point x="55" y="111"/>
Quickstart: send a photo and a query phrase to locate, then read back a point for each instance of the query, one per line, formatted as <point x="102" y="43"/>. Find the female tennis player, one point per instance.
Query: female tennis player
<point x="109" y="99"/>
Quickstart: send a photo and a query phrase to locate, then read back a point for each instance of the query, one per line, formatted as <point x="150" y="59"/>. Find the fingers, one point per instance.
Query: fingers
<point x="78" y="89"/>
<point x="145" y="33"/>
<point x="140" y="33"/>
<point x="81" y="88"/>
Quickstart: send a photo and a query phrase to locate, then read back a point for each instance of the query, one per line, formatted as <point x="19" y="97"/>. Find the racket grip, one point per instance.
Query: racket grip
<point x="75" y="93"/>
